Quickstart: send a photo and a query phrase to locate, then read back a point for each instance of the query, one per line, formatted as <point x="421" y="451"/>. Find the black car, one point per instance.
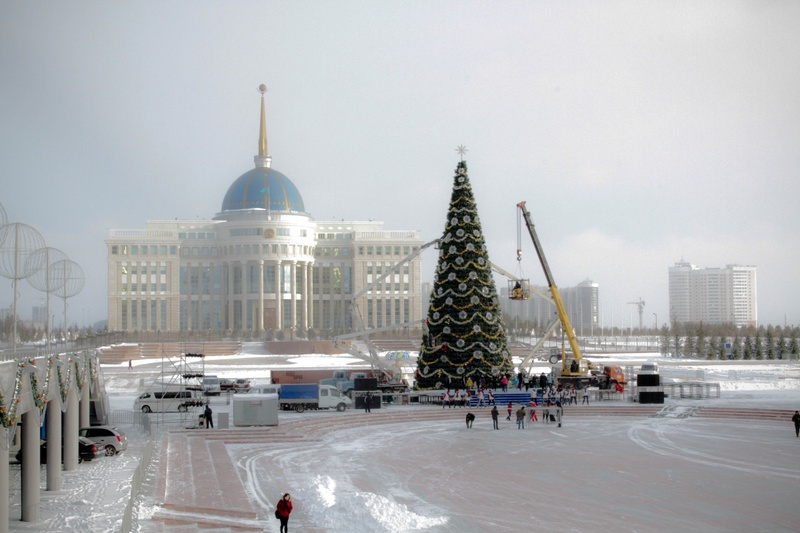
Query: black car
<point x="87" y="450"/>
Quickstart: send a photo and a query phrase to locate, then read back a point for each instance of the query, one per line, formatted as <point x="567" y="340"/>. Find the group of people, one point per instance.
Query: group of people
<point x="463" y="398"/>
<point x="547" y="416"/>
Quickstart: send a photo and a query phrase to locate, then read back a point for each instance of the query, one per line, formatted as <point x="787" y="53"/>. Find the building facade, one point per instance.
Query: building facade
<point x="261" y="263"/>
<point x="713" y="295"/>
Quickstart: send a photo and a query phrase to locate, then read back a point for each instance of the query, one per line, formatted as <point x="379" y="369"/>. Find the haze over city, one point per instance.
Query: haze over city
<point x="639" y="134"/>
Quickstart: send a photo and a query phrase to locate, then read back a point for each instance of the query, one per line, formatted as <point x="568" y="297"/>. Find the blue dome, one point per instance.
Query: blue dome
<point x="253" y="189"/>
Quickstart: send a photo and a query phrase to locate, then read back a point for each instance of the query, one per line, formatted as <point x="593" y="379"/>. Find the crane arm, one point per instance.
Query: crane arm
<point x="358" y="324"/>
<point x="532" y="354"/>
<point x="560" y="309"/>
<point x="395" y="268"/>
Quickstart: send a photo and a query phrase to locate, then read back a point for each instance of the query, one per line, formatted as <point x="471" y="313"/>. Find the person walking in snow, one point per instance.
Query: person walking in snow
<point x="559" y="412"/>
<point x="573" y="396"/>
<point x="283" y="511"/>
<point x="585" y="395"/>
<point x="495" y="414"/>
<point x="509" y="409"/>
<point x="207" y="417"/>
<point x="534" y="418"/>
<point x="480" y="397"/>
<point x="491" y="397"/>
<point x="796" y="420"/>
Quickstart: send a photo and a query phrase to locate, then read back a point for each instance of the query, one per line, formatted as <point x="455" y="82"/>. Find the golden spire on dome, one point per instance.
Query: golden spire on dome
<point x="262" y="138"/>
<point x="263" y="159"/>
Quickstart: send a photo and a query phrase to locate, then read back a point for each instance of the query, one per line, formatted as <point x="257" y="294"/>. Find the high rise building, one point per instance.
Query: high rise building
<point x="261" y="263"/>
<point x="713" y="295"/>
<point x="581" y="302"/>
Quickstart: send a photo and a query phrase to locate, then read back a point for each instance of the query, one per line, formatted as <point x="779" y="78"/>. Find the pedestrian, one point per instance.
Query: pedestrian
<point x="521" y="417"/>
<point x="796" y="420"/>
<point x="509" y="408"/>
<point x="470" y="419"/>
<point x="504" y="383"/>
<point x="283" y="511"/>
<point x="444" y="398"/>
<point x="368" y="402"/>
<point x="495" y="414"/>
<point x="465" y="398"/>
<point x="559" y="412"/>
<point x="207" y="416"/>
<point x="130" y="363"/>
<point x="480" y="397"/>
<point x="573" y="396"/>
<point x="585" y="395"/>
<point x="491" y="397"/>
<point x="534" y="418"/>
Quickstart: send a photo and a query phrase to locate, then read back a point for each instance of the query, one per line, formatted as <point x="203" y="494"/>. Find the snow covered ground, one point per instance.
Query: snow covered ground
<point x="596" y="473"/>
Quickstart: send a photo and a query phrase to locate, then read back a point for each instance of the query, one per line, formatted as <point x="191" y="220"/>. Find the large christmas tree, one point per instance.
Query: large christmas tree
<point x="466" y="337"/>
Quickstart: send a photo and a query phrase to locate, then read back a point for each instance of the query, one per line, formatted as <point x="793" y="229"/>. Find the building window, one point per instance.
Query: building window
<point x="283" y="232"/>
<point x="162" y="250"/>
<point x="114" y="250"/>
<point x="134" y="249"/>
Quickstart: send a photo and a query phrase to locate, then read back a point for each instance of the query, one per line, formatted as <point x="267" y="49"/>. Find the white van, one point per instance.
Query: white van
<point x="163" y="401"/>
<point x="211" y="385"/>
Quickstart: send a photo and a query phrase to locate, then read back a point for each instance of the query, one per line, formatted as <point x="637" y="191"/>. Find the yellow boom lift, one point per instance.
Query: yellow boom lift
<point x="575" y="369"/>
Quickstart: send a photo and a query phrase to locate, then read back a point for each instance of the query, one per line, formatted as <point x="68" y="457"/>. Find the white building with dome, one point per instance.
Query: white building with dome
<point x="261" y="264"/>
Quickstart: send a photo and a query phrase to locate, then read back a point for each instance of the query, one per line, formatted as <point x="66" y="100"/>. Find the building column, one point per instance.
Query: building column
<point x="53" y="423"/>
<point x="304" y="296"/>
<point x="29" y="497"/>
<point x="278" y="297"/>
<point x="293" y="291"/>
<point x="260" y="327"/>
<point x="311" y="321"/>
<point x="229" y="297"/>
<point x="70" y="431"/>
<point x="85" y="401"/>
<point x="5" y="437"/>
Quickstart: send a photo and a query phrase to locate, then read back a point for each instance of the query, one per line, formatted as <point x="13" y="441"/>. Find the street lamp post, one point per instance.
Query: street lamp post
<point x="656" y="317"/>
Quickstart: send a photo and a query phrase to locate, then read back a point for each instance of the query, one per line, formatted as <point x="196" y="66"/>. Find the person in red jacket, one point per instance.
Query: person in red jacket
<point x="283" y="512"/>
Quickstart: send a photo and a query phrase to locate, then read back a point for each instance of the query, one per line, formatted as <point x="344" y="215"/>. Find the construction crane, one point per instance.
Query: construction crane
<point x="389" y="375"/>
<point x="577" y="371"/>
<point x="579" y="367"/>
<point x="640" y="305"/>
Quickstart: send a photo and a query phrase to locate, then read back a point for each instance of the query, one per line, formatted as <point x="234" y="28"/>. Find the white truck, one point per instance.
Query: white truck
<point x="301" y="396"/>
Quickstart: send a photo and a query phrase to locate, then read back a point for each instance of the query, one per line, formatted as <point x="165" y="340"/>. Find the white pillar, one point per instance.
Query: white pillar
<point x="29" y="498"/>
<point x="304" y="296"/>
<point x="260" y="327"/>
<point x="70" y="423"/>
<point x="293" y="289"/>
<point x="85" y="402"/>
<point x="5" y="437"/>
<point x="53" y="423"/>
<point x="229" y="297"/>
<point x="278" y="297"/>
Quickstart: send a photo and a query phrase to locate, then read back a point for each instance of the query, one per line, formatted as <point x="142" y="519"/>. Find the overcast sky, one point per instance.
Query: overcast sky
<point x="639" y="133"/>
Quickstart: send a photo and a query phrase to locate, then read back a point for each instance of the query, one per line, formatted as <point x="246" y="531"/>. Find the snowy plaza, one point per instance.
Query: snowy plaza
<point x="688" y="465"/>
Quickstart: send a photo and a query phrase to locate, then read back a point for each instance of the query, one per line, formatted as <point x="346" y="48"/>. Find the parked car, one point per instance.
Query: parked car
<point x="241" y="385"/>
<point x="226" y="384"/>
<point x="107" y="438"/>
<point x="87" y="450"/>
<point x="649" y="368"/>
